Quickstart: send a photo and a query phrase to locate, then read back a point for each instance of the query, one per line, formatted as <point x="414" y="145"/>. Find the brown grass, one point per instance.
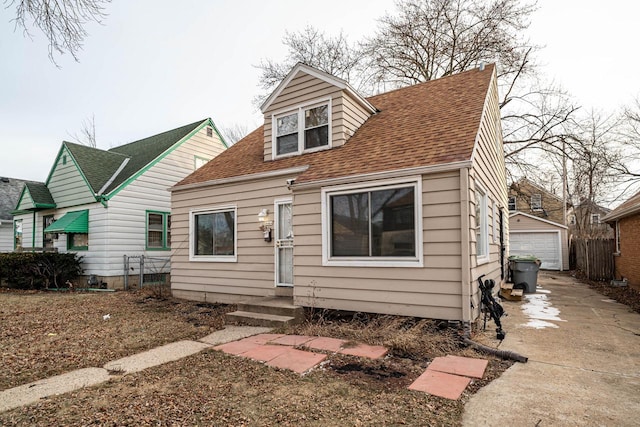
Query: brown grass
<point x="211" y="388"/>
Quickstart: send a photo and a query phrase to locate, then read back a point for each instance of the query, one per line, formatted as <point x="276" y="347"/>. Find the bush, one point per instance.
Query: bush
<point x="30" y="270"/>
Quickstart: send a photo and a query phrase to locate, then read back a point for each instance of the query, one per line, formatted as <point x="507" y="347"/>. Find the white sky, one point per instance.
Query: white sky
<point x="155" y="65"/>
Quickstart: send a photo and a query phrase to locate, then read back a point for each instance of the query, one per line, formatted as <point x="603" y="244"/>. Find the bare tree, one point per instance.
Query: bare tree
<point x="87" y="135"/>
<point x="234" y="133"/>
<point x="61" y="21"/>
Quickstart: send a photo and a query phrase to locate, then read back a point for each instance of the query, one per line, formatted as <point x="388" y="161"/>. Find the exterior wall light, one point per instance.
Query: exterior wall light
<point x="266" y="224"/>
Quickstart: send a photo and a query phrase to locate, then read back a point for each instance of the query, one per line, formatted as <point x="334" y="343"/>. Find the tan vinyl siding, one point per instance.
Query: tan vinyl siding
<point x="429" y="291"/>
<point x="66" y="184"/>
<point x="346" y="114"/>
<point x="489" y="173"/>
<point x="253" y="273"/>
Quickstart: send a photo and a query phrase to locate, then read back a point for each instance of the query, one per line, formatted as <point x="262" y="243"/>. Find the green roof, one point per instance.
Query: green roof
<point x="71" y="222"/>
<point x="144" y="151"/>
<point x="98" y="166"/>
<point x="40" y="197"/>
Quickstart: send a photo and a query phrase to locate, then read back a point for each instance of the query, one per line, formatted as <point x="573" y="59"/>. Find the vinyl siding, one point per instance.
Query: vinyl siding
<point x="125" y="231"/>
<point x="6" y="236"/>
<point x="346" y="114"/>
<point x="429" y="291"/>
<point x="26" y="202"/>
<point x="66" y="184"/>
<point x="27" y="230"/>
<point x="253" y="273"/>
<point x="488" y="172"/>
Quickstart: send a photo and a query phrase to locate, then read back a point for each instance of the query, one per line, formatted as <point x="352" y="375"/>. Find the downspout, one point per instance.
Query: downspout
<point x="465" y="242"/>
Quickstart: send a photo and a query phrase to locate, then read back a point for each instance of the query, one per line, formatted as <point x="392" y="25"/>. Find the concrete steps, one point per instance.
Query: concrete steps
<point x="268" y="311"/>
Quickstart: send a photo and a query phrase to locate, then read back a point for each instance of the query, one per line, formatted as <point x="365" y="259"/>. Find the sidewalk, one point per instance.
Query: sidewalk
<point x="584" y="361"/>
<point x="32" y="392"/>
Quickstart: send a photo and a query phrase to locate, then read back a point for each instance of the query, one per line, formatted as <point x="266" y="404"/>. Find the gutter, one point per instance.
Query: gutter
<point x="240" y="178"/>
<point x="465" y="243"/>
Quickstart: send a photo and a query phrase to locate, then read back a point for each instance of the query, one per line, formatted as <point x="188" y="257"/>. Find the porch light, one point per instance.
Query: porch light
<point x="266" y="224"/>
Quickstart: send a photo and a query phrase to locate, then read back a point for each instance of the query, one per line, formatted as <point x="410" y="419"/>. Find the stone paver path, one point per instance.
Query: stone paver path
<point x="448" y="376"/>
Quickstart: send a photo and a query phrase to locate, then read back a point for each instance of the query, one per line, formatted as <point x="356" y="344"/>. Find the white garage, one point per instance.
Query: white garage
<point x="547" y="240"/>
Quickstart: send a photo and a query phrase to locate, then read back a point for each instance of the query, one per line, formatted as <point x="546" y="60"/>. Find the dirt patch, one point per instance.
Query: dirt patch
<point x="626" y="295"/>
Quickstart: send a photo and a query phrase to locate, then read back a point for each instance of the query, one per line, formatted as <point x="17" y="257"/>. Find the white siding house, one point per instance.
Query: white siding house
<point x="107" y="204"/>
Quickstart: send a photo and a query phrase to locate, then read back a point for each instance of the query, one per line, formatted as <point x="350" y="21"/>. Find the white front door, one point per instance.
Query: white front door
<point x="284" y="243"/>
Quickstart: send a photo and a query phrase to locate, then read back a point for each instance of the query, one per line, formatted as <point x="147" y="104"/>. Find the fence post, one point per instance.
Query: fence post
<point x="141" y="270"/>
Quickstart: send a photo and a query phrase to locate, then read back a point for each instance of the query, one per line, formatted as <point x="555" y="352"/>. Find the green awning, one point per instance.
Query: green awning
<point x="71" y="222"/>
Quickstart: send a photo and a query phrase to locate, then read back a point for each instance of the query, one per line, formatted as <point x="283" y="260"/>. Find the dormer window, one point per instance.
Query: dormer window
<point x="303" y="130"/>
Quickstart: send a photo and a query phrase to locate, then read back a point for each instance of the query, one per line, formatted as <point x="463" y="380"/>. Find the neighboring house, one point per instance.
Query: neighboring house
<point x="10" y="189"/>
<point x="107" y="204"/>
<point x="528" y="197"/>
<point x="547" y="240"/>
<point x="389" y="204"/>
<point x="585" y="221"/>
<point x="625" y="219"/>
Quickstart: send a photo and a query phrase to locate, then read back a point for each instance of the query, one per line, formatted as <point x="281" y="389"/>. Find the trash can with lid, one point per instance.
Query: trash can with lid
<point x="524" y="270"/>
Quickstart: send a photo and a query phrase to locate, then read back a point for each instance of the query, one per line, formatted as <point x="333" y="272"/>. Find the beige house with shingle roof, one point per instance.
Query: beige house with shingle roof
<point x="390" y="204"/>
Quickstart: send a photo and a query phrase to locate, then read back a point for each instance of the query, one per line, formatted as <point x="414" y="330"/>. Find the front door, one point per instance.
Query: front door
<point x="284" y="244"/>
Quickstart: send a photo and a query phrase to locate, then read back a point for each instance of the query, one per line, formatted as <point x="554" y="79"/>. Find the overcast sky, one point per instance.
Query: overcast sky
<point x="156" y="65"/>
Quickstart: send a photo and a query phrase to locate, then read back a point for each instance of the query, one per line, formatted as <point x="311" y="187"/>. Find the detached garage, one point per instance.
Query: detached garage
<point x="547" y="240"/>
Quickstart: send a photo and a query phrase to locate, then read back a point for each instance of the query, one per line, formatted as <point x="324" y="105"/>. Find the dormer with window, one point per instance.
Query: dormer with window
<point x="311" y="111"/>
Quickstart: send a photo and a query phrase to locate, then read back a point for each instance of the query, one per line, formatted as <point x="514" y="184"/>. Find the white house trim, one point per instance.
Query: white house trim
<point x="537" y="219"/>
<point x="240" y="178"/>
<point x="213" y="258"/>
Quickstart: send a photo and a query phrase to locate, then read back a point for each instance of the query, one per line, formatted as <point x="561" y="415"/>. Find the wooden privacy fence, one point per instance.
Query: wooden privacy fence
<point x="594" y="257"/>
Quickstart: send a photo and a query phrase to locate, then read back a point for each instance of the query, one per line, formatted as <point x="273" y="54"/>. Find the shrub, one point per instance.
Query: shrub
<point x="31" y="270"/>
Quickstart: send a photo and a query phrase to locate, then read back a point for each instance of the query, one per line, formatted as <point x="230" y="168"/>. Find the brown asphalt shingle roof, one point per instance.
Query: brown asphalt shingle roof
<point x="422" y="125"/>
<point x="629" y="207"/>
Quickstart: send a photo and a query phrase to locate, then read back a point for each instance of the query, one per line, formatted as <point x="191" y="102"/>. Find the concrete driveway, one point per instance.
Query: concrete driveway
<point x="584" y="361"/>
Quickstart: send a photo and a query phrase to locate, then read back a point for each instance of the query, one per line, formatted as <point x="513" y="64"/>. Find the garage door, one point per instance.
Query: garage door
<point x="544" y="245"/>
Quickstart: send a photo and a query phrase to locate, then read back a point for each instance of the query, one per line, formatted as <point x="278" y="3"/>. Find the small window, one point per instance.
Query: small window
<point x="306" y="129"/>
<point x="572" y="220"/>
<point x="618" y="237"/>
<point x="214" y="235"/>
<point x="198" y="162"/>
<point x="209" y="132"/>
<point x="17" y="234"/>
<point x="482" y="238"/>
<point x="512" y="204"/>
<point x="77" y="241"/>
<point x="536" y="202"/>
<point x="158" y="230"/>
<point x="595" y="218"/>
<point x="64" y="159"/>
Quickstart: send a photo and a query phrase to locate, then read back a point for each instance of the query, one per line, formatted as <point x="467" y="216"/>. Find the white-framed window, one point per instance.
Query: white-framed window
<point x="209" y="132"/>
<point x="595" y="218"/>
<point x="512" y="204"/>
<point x="572" y="220"/>
<point x="158" y="230"/>
<point x="375" y="225"/>
<point x="305" y="129"/>
<point x="213" y="234"/>
<point x="618" y="237"/>
<point x="536" y="202"/>
<point x="482" y="232"/>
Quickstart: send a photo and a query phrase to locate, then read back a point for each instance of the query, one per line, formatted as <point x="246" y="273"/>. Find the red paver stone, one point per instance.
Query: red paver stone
<point x="364" y="350"/>
<point x="441" y="384"/>
<point x="236" y="347"/>
<point x="457" y="365"/>
<point x="292" y="340"/>
<point x="264" y="353"/>
<point x="324" y="343"/>
<point x="263" y="338"/>
<point x="297" y="360"/>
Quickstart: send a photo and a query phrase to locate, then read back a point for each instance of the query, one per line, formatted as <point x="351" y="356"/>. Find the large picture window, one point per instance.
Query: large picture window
<point x="214" y="235"/>
<point x="377" y="225"/>
<point x="158" y="230"/>
<point x="304" y="129"/>
<point x="77" y="241"/>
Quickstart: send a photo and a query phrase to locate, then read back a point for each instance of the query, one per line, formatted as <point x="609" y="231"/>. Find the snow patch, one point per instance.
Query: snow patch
<point x="540" y="311"/>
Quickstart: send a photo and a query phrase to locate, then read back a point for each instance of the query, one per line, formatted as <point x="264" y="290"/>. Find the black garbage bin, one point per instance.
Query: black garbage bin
<point x="524" y="270"/>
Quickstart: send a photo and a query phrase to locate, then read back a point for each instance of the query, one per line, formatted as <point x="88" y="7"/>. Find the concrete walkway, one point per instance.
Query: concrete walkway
<point x="32" y="392"/>
<point x="584" y="361"/>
